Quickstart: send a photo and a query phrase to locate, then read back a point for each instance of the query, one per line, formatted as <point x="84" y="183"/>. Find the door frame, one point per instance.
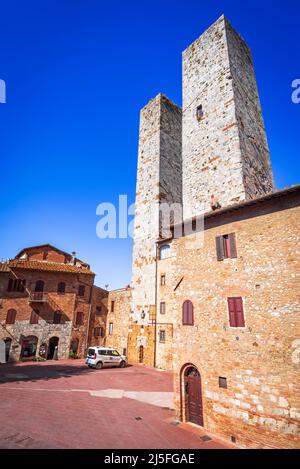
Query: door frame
<point x="183" y="403"/>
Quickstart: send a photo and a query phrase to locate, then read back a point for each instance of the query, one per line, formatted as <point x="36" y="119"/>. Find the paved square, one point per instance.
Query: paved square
<point x="66" y="405"/>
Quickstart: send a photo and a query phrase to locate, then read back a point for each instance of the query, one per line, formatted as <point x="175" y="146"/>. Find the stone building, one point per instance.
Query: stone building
<point x="47" y="300"/>
<point x="215" y="282"/>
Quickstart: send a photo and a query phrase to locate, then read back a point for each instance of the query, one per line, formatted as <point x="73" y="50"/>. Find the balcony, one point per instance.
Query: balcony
<point x="38" y="297"/>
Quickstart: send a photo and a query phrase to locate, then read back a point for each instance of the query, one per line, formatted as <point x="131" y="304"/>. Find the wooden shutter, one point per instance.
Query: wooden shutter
<point x="239" y="312"/>
<point x="190" y="317"/>
<point x="231" y="310"/>
<point x="232" y="242"/>
<point x="184" y="313"/>
<point x="10" y="284"/>
<point x="220" y="248"/>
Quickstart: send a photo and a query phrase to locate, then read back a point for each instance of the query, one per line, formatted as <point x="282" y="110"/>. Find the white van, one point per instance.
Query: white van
<point x="100" y="357"/>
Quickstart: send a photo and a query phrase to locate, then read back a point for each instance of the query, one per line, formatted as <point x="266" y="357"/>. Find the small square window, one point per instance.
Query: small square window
<point x="162" y="279"/>
<point x="222" y="382"/>
<point x="81" y="290"/>
<point x="162" y="307"/>
<point x="98" y="310"/>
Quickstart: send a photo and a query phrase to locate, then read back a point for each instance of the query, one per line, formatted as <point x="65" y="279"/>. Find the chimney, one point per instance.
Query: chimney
<point x="73" y="258"/>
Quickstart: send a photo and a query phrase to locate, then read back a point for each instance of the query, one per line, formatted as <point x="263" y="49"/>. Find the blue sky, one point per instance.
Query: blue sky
<point x="77" y="74"/>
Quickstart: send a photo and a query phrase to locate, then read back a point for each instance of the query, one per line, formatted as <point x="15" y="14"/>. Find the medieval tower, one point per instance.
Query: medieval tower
<point x="158" y="181"/>
<point x="214" y="149"/>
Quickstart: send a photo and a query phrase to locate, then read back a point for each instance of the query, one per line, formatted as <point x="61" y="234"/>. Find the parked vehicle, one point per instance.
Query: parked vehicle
<point x="102" y="357"/>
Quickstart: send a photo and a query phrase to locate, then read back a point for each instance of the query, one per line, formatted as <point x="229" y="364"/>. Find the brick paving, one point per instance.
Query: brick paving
<point x="50" y="405"/>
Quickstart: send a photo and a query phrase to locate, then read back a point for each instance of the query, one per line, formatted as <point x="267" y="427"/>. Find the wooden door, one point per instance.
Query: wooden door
<point x="193" y="396"/>
<point x="141" y="354"/>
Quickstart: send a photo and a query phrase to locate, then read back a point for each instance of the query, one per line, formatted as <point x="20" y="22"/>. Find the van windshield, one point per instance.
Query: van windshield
<point x="91" y="352"/>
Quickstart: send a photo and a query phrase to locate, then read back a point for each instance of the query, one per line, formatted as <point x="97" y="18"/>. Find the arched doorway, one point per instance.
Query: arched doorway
<point x="7" y="348"/>
<point x="192" y="398"/>
<point x="141" y="354"/>
<point x="29" y="345"/>
<point x="53" y="342"/>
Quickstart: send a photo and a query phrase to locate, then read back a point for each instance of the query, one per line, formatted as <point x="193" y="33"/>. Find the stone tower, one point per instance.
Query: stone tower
<point x="159" y="180"/>
<point x="224" y="146"/>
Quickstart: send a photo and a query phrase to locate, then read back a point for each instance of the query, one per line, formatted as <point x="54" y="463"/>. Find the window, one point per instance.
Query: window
<point x="57" y="317"/>
<point x="98" y="332"/>
<point x="236" y="312"/>
<point x="34" y="317"/>
<point x="110" y="328"/>
<point x="98" y="310"/>
<point x="187" y="313"/>
<point x="164" y="251"/>
<point x="112" y="306"/>
<point x="199" y="112"/>
<point x="162" y="307"/>
<point x="162" y="336"/>
<point x="11" y="316"/>
<point x="61" y="288"/>
<point x="124" y="351"/>
<point x="162" y="279"/>
<point x="81" y="290"/>
<point x="114" y="353"/>
<point x="39" y="286"/>
<point x="79" y="318"/>
<point x="226" y="247"/>
<point x="222" y="382"/>
<point x="16" y="285"/>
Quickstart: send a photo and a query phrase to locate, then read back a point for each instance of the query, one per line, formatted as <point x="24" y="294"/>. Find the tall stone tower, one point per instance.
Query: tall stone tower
<point x="159" y="180"/>
<point x="224" y="146"/>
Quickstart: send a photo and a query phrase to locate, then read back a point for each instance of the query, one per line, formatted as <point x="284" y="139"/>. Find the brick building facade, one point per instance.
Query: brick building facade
<point x="48" y="300"/>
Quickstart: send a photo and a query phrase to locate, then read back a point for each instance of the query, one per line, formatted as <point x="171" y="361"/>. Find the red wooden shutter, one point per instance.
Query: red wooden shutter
<point x="34" y="318"/>
<point x="232" y="242"/>
<point x="220" y="248"/>
<point x="10" y="284"/>
<point x="239" y="312"/>
<point x="190" y="314"/>
<point x="231" y="309"/>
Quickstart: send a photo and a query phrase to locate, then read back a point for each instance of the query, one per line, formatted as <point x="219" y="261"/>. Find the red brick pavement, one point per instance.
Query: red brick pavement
<point x="47" y="405"/>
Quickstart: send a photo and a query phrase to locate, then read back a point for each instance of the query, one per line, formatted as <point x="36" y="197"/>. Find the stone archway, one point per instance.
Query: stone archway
<point x="191" y="395"/>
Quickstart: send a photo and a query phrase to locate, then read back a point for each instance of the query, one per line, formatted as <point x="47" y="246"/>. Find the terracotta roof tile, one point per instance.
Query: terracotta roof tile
<point x="44" y="266"/>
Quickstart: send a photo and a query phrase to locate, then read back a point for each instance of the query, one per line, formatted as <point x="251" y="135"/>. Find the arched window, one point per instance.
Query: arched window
<point x="187" y="313"/>
<point x="164" y="251"/>
<point x="61" y="288"/>
<point x="11" y="316"/>
<point x="39" y="286"/>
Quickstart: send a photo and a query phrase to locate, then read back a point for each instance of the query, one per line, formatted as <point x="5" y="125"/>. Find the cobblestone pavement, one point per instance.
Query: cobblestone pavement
<point x="66" y="405"/>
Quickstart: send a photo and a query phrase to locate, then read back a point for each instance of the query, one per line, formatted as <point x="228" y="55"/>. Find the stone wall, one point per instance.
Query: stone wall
<point x="261" y="405"/>
<point x="224" y="152"/>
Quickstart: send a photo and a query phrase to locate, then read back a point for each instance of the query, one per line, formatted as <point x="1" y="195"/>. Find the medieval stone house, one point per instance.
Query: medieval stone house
<point x="215" y="296"/>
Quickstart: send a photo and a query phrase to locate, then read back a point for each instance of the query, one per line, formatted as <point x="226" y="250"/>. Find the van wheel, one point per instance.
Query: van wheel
<point x="99" y="366"/>
<point x="122" y="364"/>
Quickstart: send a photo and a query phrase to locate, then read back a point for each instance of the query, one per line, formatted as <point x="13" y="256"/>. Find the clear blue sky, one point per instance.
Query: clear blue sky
<point x="77" y="73"/>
